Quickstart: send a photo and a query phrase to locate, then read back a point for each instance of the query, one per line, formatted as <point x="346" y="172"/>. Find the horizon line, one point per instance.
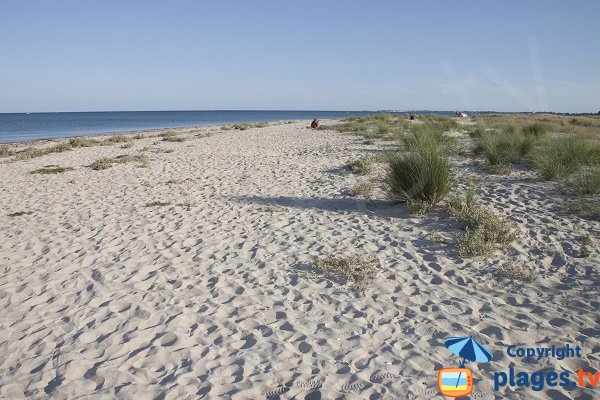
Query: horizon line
<point x="305" y="110"/>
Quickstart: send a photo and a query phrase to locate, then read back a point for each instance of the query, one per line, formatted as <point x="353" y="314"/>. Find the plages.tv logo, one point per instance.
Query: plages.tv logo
<point x="458" y="382"/>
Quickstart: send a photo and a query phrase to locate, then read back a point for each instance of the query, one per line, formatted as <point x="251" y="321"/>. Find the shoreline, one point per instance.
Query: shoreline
<point x="177" y="129"/>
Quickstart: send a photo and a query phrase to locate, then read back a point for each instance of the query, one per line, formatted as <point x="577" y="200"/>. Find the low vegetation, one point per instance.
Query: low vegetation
<point x="362" y="190"/>
<point x="173" y="139"/>
<point x="586" y="181"/>
<point x="356" y="271"/>
<point x="585" y="241"/>
<point x="558" y="157"/>
<point x="19" y="213"/>
<point x="105" y="163"/>
<point x="504" y="148"/>
<point x="517" y="272"/>
<point x="244" y="126"/>
<point x="158" y="203"/>
<point x="66" y="145"/>
<point x="361" y="166"/>
<point x="484" y="230"/>
<point x="5" y="151"/>
<point x="584" y="207"/>
<point x="274" y="209"/>
<point x="117" y="139"/>
<point x="51" y="169"/>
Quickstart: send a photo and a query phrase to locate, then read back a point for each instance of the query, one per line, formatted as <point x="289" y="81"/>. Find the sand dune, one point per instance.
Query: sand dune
<point x="105" y="295"/>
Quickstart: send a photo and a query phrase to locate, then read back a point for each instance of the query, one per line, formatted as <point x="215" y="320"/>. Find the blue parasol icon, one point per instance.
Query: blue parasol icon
<point x="468" y="348"/>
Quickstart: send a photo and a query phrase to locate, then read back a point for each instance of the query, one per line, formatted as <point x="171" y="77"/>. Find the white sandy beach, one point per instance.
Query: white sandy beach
<point x="105" y="296"/>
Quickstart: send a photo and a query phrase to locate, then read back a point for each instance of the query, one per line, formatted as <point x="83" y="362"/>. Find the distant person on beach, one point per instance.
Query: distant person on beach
<point x="314" y="124"/>
<point x="411" y="117"/>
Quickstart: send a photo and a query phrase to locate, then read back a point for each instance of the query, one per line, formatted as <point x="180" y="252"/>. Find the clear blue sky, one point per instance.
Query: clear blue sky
<point x="85" y="55"/>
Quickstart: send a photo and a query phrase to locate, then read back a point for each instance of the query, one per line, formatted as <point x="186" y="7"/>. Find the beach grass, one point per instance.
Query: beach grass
<point x="420" y="177"/>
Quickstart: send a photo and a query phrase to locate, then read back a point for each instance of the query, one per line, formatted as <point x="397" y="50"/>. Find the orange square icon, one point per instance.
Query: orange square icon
<point x="455" y="382"/>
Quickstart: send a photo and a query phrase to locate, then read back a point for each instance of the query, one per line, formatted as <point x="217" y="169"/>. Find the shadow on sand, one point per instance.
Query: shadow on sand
<point x="379" y="208"/>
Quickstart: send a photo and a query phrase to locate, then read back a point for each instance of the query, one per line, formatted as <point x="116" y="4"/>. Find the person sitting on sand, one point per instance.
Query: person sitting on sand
<point x="314" y="124"/>
<point x="411" y="117"/>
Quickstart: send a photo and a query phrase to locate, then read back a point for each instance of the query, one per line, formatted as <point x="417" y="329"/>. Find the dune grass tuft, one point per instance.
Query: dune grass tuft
<point x="356" y="271"/>
<point x="503" y="148"/>
<point x="484" y="230"/>
<point x="421" y="178"/>
<point x="558" y="157"/>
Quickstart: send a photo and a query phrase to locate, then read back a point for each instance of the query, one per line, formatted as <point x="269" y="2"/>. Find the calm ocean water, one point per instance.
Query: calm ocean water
<point x="33" y="126"/>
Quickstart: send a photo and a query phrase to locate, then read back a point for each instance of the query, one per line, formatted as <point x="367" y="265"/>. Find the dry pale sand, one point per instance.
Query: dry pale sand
<point x="103" y="296"/>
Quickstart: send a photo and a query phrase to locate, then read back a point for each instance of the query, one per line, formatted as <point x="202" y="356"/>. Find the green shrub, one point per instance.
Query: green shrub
<point x="421" y="178"/>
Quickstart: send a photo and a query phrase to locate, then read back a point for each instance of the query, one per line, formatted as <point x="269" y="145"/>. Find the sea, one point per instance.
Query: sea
<point x="19" y="127"/>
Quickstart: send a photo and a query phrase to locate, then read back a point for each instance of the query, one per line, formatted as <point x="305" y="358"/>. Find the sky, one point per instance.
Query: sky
<point x="108" y="55"/>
